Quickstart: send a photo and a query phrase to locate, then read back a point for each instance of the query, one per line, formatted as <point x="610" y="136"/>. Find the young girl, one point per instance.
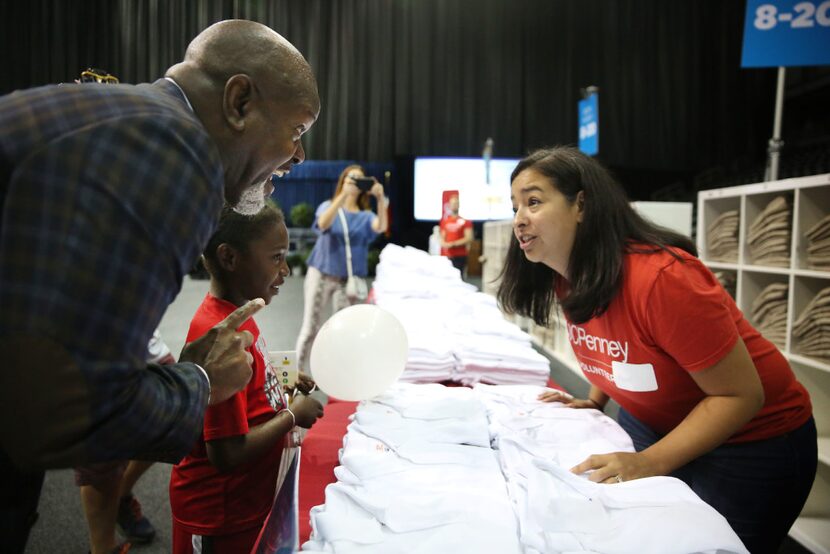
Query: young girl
<point x="703" y="395"/>
<point x="221" y="493"/>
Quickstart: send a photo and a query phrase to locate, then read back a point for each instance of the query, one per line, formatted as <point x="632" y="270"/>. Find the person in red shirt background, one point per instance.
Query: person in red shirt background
<point x="456" y="235"/>
<point x="222" y="491"/>
<point x="703" y="395"/>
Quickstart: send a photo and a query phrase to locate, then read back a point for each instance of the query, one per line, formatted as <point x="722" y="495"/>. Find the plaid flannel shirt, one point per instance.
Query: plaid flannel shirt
<point x="108" y="195"/>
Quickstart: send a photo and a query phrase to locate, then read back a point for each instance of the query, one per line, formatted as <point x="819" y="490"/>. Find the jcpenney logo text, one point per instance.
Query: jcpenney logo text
<point x="613" y="348"/>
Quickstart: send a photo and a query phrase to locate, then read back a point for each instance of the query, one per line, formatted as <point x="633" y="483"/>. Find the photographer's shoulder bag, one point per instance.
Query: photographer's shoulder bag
<point x="356" y="287"/>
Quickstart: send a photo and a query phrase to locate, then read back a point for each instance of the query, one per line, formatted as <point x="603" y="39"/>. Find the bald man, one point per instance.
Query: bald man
<point x="108" y="195"/>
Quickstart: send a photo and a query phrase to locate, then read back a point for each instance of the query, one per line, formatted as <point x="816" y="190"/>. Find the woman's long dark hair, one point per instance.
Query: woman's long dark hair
<point x="609" y="229"/>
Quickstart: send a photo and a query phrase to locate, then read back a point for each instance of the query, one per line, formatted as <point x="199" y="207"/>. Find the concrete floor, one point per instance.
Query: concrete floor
<point x="61" y="528"/>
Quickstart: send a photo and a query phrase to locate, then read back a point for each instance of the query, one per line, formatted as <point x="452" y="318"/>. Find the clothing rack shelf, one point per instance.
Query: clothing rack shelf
<point x="809" y="201"/>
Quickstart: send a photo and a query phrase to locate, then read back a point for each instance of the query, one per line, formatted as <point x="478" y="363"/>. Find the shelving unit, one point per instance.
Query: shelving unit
<point x="810" y="201"/>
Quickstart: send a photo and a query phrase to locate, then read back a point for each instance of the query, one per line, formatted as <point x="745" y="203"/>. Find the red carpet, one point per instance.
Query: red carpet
<point x="319" y="457"/>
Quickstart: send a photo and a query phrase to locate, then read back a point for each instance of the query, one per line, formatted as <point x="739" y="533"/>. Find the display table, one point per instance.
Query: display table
<point x="426" y="469"/>
<point x="319" y="458"/>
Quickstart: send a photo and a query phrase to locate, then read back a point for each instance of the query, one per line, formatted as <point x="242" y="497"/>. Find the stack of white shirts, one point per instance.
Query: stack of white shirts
<point x="489" y="348"/>
<point x="455" y="333"/>
<point x="812" y="328"/>
<point x="497" y="359"/>
<point x="818" y="244"/>
<point x="561" y="512"/>
<point x="769" y="235"/>
<point x="412" y="273"/>
<point x="430" y="358"/>
<point x="417" y="475"/>
<point x="559" y="433"/>
<point x="769" y="312"/>
<point x="722" y="238"/>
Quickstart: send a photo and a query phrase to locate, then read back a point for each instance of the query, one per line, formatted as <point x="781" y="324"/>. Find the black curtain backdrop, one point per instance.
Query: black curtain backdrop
<point x="437" y="77"/>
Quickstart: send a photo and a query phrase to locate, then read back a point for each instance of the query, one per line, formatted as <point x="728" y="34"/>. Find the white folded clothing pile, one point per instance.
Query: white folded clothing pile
<point x="818" y="244"/>
<point x="770" y="234"/>
<point x="769" y="312"/>
<point x="722" y="238"/>
<point x="558" y="511"/>
<point x="655" y="515"/>
<point x="495" y="359"/>
<point x="418" y="474"/>
<point x="811" y="330"/>
<point x="406" y="272"/>
<point x="455" y="333"/>
<point x="557" y="432"/>
<point x="431" y="358"/>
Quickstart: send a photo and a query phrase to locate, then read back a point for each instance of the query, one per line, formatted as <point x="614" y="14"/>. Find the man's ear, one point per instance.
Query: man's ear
<point x="236" y="102"/>
<point x="227" y="256"/>
<point x="580" y="205"/>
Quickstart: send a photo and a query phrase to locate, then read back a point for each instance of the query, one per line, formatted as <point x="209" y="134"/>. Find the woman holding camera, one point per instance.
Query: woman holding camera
<point x="337" y="246"/>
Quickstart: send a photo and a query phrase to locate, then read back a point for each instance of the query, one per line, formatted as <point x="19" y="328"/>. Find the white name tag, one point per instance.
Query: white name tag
<point x="634" y="377"/>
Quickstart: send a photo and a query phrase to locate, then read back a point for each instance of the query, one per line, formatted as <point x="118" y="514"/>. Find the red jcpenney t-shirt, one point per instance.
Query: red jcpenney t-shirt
<point x="670" y="319"/>
<point x="204" y="501"/>
<point x="453" y="227"/>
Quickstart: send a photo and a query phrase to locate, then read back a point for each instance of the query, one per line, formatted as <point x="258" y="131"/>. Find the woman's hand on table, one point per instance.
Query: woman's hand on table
<point x="567" y="400"/>
<point x="617" y="467"/>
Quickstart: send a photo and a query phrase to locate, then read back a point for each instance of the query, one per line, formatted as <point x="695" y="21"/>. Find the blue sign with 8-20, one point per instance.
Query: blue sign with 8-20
<point x="589" y="125"/>
<point x="786" y="33"/>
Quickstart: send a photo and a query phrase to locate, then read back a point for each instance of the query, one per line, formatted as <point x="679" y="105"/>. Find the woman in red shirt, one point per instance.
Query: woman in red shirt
<point x="703" y="395"/>
<point x="456" y="236"/>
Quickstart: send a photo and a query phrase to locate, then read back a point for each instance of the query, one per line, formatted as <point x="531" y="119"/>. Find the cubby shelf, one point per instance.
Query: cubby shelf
<point x="723" y="265"/>
<point x="809" y="362"/>
<point x="758" y="268"/>
<point x="809" y="200"/>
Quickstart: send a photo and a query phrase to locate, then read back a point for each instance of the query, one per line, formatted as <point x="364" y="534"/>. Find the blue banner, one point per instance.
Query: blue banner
<point x="786" y="33"/>
<point x="589" y="125"/>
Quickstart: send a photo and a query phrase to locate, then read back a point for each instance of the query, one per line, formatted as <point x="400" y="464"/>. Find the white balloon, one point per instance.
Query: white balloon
<point x="359" y="352"/>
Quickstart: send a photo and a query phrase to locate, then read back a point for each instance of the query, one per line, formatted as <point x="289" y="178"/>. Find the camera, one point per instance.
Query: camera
<point x="365" y="184"/>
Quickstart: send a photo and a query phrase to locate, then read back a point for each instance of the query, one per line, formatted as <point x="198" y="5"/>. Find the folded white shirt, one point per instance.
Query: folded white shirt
<point x="407" y="484"/>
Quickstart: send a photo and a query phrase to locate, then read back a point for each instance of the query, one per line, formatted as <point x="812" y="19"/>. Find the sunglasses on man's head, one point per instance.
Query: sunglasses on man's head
<point x="98" y="76"/>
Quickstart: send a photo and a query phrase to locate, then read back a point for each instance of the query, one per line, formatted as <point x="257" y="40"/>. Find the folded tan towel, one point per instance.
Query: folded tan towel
<point x="770" y="234"/>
